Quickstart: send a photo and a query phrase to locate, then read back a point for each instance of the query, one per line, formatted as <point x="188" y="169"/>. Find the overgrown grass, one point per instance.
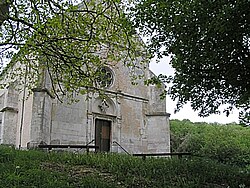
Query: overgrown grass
<point x="41" y="169"/>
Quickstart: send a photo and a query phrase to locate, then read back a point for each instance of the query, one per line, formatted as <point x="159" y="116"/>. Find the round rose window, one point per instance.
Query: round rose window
<point x="105" y="78"/>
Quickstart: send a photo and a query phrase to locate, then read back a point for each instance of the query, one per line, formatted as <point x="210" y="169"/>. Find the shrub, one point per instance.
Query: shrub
<point x="229" y="144"/>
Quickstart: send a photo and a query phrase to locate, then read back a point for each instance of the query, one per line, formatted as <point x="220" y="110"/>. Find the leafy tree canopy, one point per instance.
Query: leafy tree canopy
<point x="69" y="42"/>
<point x="209" y="42"/>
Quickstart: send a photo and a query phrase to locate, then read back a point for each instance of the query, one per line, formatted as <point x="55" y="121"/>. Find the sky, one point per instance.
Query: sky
<point x="163" y="67"/>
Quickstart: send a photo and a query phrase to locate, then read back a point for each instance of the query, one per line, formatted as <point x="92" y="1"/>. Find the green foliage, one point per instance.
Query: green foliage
<point x="209" y="42"/>
<point x="69" y="43"/>
<point x="40" y="169"/>
<point x="228" y="144"/>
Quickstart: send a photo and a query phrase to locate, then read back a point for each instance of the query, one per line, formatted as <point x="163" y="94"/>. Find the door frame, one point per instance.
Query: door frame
<point x="110" y="131"/>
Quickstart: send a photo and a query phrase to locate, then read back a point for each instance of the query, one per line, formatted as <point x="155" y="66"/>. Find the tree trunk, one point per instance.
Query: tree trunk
<point x="4" y="10"/>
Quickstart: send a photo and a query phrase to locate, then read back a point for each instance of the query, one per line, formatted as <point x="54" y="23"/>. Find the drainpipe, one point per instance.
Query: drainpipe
<point x="87" y="115"/>
<point x="42" y="132"/>
<point x="51" y="115"/>
<point x="23" y="104"/>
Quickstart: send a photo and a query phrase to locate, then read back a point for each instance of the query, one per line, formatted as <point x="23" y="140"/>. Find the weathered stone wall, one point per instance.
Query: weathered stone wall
<point x="139" y="122"/>
<point x="9" y="103"/>
<point x="131" y="110"/>
<point x="41" y="118"/>
<point x="9" y="128"/>
<point x="123" y="80"/>
<point x="158" y="132"/>
<point x="68" y="124"/>
<point x="133" y="136"/>
<point x="24" y="119"/>
<point x="156" y="104"/>
<point x="2" y="94"/>
<point x="158" y="129"/>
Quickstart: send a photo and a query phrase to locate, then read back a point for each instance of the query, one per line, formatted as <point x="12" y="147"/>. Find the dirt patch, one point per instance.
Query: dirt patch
<point x="81" y="171"/>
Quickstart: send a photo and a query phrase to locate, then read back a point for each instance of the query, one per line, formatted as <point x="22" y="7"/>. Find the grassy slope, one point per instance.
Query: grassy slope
<point x="40" y="169"/>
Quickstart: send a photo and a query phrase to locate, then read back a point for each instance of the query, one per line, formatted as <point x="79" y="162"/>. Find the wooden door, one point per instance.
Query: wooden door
<point x="102" y="135"/>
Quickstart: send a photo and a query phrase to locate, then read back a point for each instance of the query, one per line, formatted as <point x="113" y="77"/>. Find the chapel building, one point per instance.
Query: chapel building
<point x="130" y="117"/>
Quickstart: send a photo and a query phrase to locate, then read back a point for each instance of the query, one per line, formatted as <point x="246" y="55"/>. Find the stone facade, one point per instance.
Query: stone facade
<point x="131" y="116"/>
